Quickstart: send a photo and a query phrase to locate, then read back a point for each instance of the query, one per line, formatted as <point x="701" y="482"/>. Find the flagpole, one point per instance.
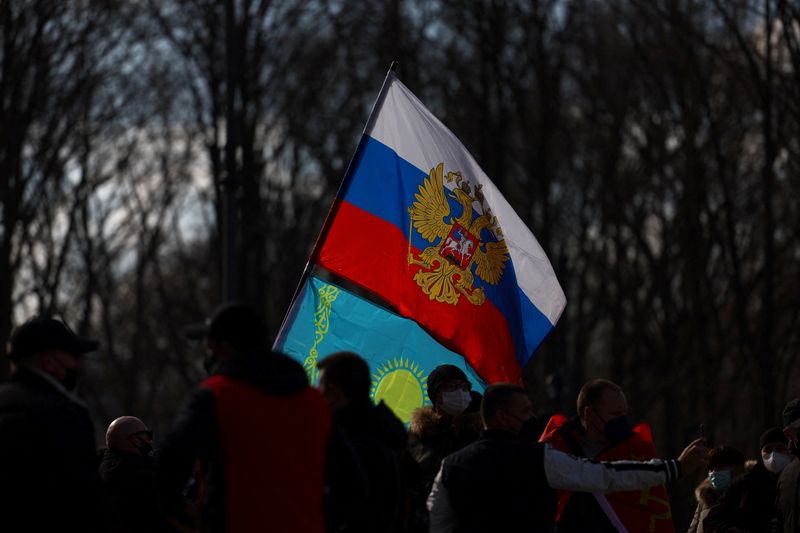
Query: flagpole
<point x="390" y="75"/>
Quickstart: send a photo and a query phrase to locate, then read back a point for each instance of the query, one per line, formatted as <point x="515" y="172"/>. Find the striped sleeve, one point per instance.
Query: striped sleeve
<point x="567" y="472"/>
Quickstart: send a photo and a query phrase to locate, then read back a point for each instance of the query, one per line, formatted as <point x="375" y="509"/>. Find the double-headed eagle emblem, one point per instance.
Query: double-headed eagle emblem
<point x="446" y="268"/>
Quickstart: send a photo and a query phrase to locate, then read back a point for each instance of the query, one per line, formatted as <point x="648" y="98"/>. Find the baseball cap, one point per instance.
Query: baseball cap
<point x="235" y="323"/>
<point x="44" y="333"/>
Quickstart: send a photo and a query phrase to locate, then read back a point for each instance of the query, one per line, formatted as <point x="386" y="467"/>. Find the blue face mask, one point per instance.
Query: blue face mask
<point x="720" y="479"/>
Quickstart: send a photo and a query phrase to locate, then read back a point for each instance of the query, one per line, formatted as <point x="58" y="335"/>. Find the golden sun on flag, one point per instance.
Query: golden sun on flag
<point x="402" y="385"/>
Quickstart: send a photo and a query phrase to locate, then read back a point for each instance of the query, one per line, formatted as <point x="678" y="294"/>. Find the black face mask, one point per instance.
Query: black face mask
<point x="146" y="450"/>
<point x="617" y="430"/>
<point x="531" y="430"/>
<point x="70" y="380"/>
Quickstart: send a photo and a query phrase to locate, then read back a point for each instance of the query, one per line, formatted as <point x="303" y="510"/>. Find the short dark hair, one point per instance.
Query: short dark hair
<point x="725" y="456"/>
<point x="592" y="393"/>
<point x="348" y="371"/>
<point x="235" y="323"/>
<point x="496" y="398"/>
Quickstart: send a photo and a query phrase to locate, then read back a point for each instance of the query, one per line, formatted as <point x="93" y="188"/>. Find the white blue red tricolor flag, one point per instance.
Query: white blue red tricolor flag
<point x="418" y="224"/>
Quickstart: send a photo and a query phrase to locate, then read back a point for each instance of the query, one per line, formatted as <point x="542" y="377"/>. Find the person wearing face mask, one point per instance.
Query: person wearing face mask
<point x="127" y="473"/>
<point x="787" y="506"/>
<point x="503" y="482"/>
<point x="452" y="422"/>
<point x="47" y="447"/>
<point x="725" y="463"/>
<point x="601" y="431"/>
<point x="748" y="504"/>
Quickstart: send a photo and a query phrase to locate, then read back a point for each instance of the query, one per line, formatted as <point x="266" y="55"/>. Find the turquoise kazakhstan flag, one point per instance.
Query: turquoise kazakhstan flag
<point x="400" y="354"/>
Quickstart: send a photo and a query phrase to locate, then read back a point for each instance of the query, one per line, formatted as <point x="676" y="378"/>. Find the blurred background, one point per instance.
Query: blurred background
<point x="652" y="146"/>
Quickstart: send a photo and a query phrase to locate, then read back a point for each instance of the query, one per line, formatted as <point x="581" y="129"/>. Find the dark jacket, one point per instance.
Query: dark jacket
<point x="747" y="505"/>
<point x="129" y="493"/>
<point x="258" y="433"/>
<point x="378" y="439"/>
<point x="498" y="483"/>
<point x="48" y="463"/>
<point x="787" y="519"/>
<point x="433" y="437"/>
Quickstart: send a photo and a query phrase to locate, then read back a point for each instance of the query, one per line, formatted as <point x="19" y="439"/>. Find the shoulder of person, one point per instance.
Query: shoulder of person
<point x="705" y="493"/>
<point x="391" y="428"/>
<point x="790" y="474"/>
<point x="425" y="421"/>
<point x="469" y="423"/>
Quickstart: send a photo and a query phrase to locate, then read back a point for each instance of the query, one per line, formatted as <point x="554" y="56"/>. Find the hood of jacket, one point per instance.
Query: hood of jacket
<point x="272" y="372"/>
<point x="426" y="422"/>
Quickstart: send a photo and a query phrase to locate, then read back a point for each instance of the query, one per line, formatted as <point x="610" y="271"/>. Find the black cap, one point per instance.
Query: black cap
<point x="771" y="436"/>
<point x="43" y="333"/>
<point x="791" y="413"/>
<point x="235" y="323"/>
<point x="442" y="374"/>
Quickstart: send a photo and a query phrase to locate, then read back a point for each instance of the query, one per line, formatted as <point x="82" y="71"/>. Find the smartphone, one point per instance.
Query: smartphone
<point x="703" y="434"/>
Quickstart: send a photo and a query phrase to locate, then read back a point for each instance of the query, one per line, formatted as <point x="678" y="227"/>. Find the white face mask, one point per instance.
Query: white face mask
<point x="776" y="462"/>
<point x="454" y="403"/>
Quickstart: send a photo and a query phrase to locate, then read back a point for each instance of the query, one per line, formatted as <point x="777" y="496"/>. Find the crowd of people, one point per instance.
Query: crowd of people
<point x="256" y="448"/>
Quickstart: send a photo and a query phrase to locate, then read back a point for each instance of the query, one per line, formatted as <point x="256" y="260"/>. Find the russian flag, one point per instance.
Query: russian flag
<point x="418" y="224"/>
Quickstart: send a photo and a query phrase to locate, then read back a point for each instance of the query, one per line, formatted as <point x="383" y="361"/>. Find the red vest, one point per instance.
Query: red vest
<point x="645" y="511"/>
<point x="273" y="455"/>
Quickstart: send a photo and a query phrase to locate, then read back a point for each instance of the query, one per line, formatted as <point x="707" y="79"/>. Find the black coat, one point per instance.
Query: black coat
<point x="747" y="505"/>
<point x="48" y="462"/>
<point x="129" y="493"/>
<point x="432" y="437"/>
<point x="788" y="500"/>
<point x="498" y="484"/>
<point x="378" y="439"/>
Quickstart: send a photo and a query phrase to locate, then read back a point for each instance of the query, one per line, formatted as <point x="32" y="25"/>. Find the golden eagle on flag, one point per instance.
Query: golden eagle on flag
<point x="446" y="267"/>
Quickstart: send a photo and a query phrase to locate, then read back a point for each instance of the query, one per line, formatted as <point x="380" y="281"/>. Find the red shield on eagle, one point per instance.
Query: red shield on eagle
<point x="459" y="246"/>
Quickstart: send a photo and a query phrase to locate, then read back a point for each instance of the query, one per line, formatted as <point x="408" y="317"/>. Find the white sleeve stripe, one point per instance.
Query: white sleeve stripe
<point x="566" y="472"/>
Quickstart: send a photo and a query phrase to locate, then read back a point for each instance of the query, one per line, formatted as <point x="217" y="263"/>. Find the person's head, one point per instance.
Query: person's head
<point x="774" y="450"/>
<point x="603" y="410"/>
<point x="449" y="390"/>
<point x="49" y="346"/>
<point x="344" y="379"/>
<point x="791" y="422"/>
<point x="131" y="435"/>
<point x="506" y="407"/>
<point x="724" y="464"/>
<point x="232" y="329"/>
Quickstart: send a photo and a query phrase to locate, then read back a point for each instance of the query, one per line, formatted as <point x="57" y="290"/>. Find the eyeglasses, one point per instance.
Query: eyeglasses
<point x="145" y="432"/>
<point x="450" y="386"/>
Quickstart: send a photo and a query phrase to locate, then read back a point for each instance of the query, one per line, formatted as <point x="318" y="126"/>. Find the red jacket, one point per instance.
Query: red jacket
<point x="260" y="434"/>
<point x="646" y="511"/>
